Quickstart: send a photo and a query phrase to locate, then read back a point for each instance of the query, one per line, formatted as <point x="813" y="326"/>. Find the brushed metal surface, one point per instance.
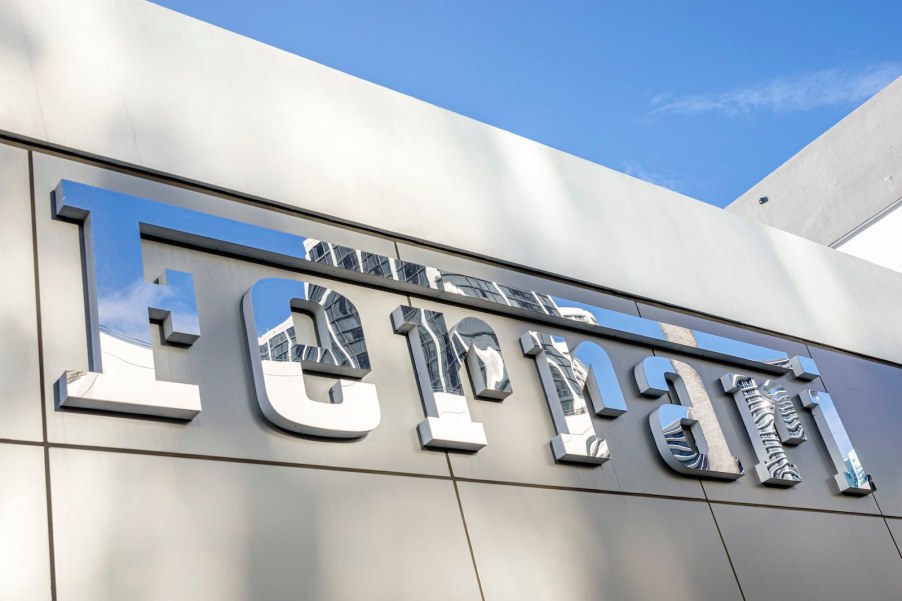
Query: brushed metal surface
<point x="20" y="403"/>
<point x="780" y="554"/>
<point x="24" y="555"/>
<point x="895" y="528"/>
<point x="149" y="528"/>
<point x="547" y="545"/>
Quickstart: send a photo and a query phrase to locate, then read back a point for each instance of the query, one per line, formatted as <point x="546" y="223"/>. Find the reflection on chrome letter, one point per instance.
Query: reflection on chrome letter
<point x="567" y="380"/>
<point x="850" y="475"/>
<point x="711" y="457"/>
<point x="758" y="407"/>
<point x="279" y="361"/>
<point x="438" y="355"/>
<point x="205" y="231"/>
<point x="789" y="425"/>
<point x="121" y="304"/>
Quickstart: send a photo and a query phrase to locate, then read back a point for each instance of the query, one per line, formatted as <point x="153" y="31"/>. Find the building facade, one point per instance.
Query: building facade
<point x="843" y="190"/>
<point x="274" y="332"/>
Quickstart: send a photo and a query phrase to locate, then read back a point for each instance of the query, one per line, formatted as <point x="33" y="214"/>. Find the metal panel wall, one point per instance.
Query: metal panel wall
<point x="24" y="555"/>
<point x="145" y="528"/>
<point x="779" y="554"/>
<point x="19" y="353"/>
<point x="229" y="506"/>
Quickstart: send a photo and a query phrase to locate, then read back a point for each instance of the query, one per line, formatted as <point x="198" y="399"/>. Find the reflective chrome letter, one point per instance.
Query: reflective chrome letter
<point x="437" y="356"/>
<point x="850" y="475"/>
<point x="711" y="457"/>
<point x="279" y="361"/>
<point x="120" y="305"/>
<point x="767" y="430"/>
<point x="567" y="380"/>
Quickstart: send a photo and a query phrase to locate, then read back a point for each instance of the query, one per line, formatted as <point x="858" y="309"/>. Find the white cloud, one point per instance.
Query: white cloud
<point x="652" y="177"/>
<point x="815" y="89"/>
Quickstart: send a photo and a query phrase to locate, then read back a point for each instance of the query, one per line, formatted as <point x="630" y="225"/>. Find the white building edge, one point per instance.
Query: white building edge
<point x="844" y="190"/>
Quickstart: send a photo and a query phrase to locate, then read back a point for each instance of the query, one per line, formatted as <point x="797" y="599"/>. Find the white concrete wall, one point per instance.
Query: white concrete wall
<point x="841" y="180"/>
<point x="137" y="84"/>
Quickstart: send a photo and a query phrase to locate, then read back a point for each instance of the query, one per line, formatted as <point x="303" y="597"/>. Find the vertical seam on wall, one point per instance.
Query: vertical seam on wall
<point x="37" y="293"/>
<point x="460" y="507"/>
<point x="708" y="503"/>
<point x="891" y="537"/>
<point x="724" y="543"/>
<point x="463" y="520"/>
<point x="43" y="392"/>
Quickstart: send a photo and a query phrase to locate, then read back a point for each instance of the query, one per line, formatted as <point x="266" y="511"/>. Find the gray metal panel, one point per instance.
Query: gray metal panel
<point x="868" y="396"/>
<point x="895" y="528"/>
<point x="147" y="528"/>
<point x="135" y="83"/>
<point x="24" y="557"/>
<point x="519" y="428"/>
<point x="779" y="554"/>
<point x="21" y="399"/>
<point x="231" y="422"/>
<point x="541" y="544"/>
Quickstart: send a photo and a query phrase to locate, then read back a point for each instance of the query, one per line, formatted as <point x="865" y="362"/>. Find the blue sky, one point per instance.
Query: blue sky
<point x="704" y="97"/>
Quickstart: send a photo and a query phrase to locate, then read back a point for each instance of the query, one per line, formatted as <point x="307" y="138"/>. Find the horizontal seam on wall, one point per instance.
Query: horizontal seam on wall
<point x="448" y="478"/>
